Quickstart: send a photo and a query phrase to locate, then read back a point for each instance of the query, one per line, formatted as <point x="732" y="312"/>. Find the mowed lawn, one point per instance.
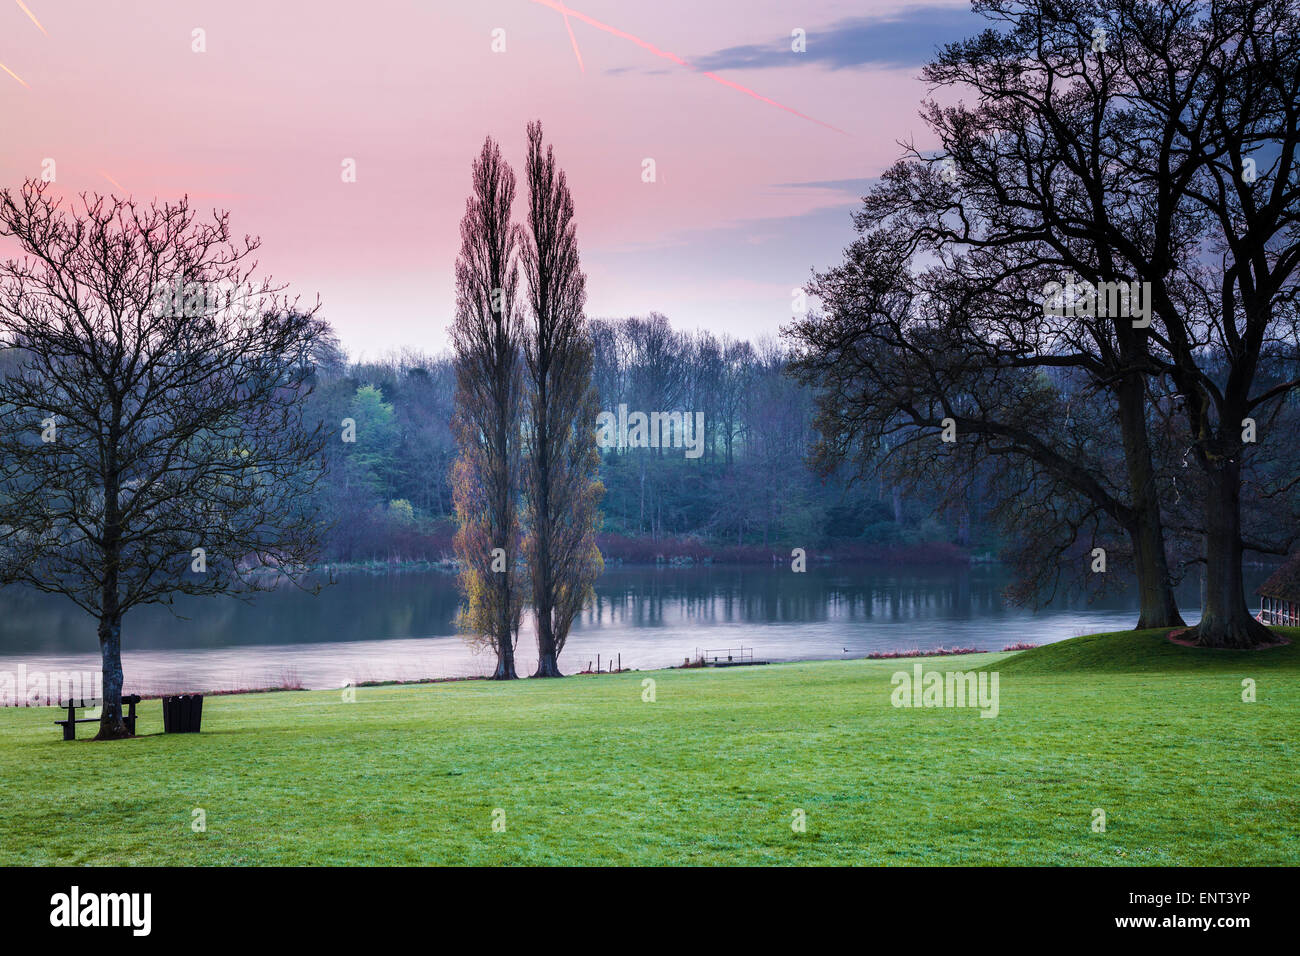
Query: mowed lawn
<point x="711" y="772"/>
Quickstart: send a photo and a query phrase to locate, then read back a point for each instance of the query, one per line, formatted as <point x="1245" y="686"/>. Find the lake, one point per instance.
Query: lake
<point x="400" y="626"/>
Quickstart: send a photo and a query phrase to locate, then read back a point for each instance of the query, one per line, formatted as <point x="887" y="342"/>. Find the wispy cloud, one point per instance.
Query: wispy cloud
<point x="649" y="47"/>
<point x="908" y="38"/>
<point x="858" y="186"/>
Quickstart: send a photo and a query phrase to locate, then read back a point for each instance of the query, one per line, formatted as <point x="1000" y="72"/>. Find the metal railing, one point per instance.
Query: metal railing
<point x="728" y="655"/>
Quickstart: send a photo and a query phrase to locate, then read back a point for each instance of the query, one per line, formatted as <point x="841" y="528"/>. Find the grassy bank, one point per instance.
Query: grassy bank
<point x="587" y="772"/>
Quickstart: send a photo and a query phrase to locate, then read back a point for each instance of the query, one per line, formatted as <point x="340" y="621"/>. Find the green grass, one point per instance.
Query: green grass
<point x="586" y="772"/>
<point x="1139" y="652"/>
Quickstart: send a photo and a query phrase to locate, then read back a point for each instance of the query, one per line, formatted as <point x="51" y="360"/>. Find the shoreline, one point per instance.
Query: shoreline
<point x="870" y="557"/>
<point x="618" y="551"/>
<point x="451" y="566"/>
<point x="909" y="655"/>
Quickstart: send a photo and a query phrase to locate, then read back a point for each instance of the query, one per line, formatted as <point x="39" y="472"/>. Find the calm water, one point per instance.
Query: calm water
<point x="399" y="626"/>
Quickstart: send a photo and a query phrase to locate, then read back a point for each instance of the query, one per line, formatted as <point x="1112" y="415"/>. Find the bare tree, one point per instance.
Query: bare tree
<point x="561" y="488"/>
<point x="154" y="441"/>
<point x="733" y="384"/>
<point x="1222" y="314"/>
<point x="487" y="338"/>
<point x="1130" y="144"/>
<point x="1178" y="169"/>
<point x="899" y="357"/>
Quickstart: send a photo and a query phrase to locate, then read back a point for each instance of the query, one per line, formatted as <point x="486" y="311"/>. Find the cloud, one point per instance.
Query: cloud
<point x="620" y="70"/>
<point x="856" y="186"/>
<point x="908" y="38"/>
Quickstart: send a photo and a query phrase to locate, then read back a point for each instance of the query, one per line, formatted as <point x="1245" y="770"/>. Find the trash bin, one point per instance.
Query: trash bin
<point x="182" y="714"/>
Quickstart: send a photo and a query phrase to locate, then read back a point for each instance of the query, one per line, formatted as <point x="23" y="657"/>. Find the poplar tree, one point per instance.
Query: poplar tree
<point x="487" y="337"/>
<point x="561" y="487"/>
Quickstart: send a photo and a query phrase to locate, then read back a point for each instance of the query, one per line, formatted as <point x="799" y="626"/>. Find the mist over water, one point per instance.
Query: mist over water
<point x="401" y="626"/>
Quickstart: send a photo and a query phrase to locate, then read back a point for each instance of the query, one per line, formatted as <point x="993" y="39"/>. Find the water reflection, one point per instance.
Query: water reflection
<point x="400" y="626"/>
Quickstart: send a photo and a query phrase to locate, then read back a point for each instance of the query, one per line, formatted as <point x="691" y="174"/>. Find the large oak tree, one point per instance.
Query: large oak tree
<point x="1110" y="141"/>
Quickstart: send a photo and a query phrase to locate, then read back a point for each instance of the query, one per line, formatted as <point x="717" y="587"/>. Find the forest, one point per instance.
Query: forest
<point x="755" y="492"/>
<point x="752" y="492"/>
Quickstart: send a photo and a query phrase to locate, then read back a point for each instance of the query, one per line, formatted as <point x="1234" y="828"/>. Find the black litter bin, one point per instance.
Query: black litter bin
<point x="182" y="714"/>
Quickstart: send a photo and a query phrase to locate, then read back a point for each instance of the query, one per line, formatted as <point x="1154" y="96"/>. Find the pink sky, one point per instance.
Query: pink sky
<point x="261" y="122"/>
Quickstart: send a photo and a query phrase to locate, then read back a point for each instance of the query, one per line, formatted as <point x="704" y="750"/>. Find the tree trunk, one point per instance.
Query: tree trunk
<point x="640" y="521"/>
<point x="505" y="661"/>
<point x="543" y="576"/>
<point x="548" y="664"/>
<point x="1157" y="604"/>
<point x="111" y="725"/>
<point x="504" y="506"/>
<point x="504" y="638"/>
<point x="1226" y="621"/>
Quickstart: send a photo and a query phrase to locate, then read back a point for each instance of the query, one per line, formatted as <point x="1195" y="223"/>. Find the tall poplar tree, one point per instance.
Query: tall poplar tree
<point x="487" y="338"/>
<point x="561" y="487"/>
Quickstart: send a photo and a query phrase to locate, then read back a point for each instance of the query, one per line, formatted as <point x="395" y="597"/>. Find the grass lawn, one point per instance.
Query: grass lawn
<point x="1154" y="734"/>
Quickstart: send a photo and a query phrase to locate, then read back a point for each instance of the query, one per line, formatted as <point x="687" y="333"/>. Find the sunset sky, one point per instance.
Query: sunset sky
<point x="752" y="191"/>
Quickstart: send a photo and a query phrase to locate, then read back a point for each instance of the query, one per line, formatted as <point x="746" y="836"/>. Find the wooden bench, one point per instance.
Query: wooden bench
<point x="70" y="725"/>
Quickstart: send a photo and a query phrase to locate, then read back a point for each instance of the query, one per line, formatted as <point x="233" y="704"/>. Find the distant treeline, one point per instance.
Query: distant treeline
<point x="388" y="497"/>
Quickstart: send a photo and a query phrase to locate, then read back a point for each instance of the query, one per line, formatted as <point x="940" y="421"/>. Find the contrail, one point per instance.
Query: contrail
<point x="112" y="180"/>
<point x="574" y="40"/>
<point x="567" y="12"/>
<point x="32" y="17"/>
<point x="14" y="75"/>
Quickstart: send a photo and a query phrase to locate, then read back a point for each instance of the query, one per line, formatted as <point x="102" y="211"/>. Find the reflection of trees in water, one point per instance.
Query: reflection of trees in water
<point x="642" y="597"/>
<point x="423" y="604"/>
<point x="356" y="608"/>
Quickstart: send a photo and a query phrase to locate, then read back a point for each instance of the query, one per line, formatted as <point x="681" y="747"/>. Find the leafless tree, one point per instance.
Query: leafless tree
<point x="153" y="442"/>
<point x="1225" y="314"/>
<point x="1109" y="140"/>
<point x="1166" y="152"/>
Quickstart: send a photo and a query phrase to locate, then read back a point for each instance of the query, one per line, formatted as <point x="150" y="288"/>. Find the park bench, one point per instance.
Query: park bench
<point x="70" y="725"/>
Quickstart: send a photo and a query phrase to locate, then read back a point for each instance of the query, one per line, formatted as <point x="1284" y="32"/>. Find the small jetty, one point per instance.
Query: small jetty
<point x="725" y="657"/>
